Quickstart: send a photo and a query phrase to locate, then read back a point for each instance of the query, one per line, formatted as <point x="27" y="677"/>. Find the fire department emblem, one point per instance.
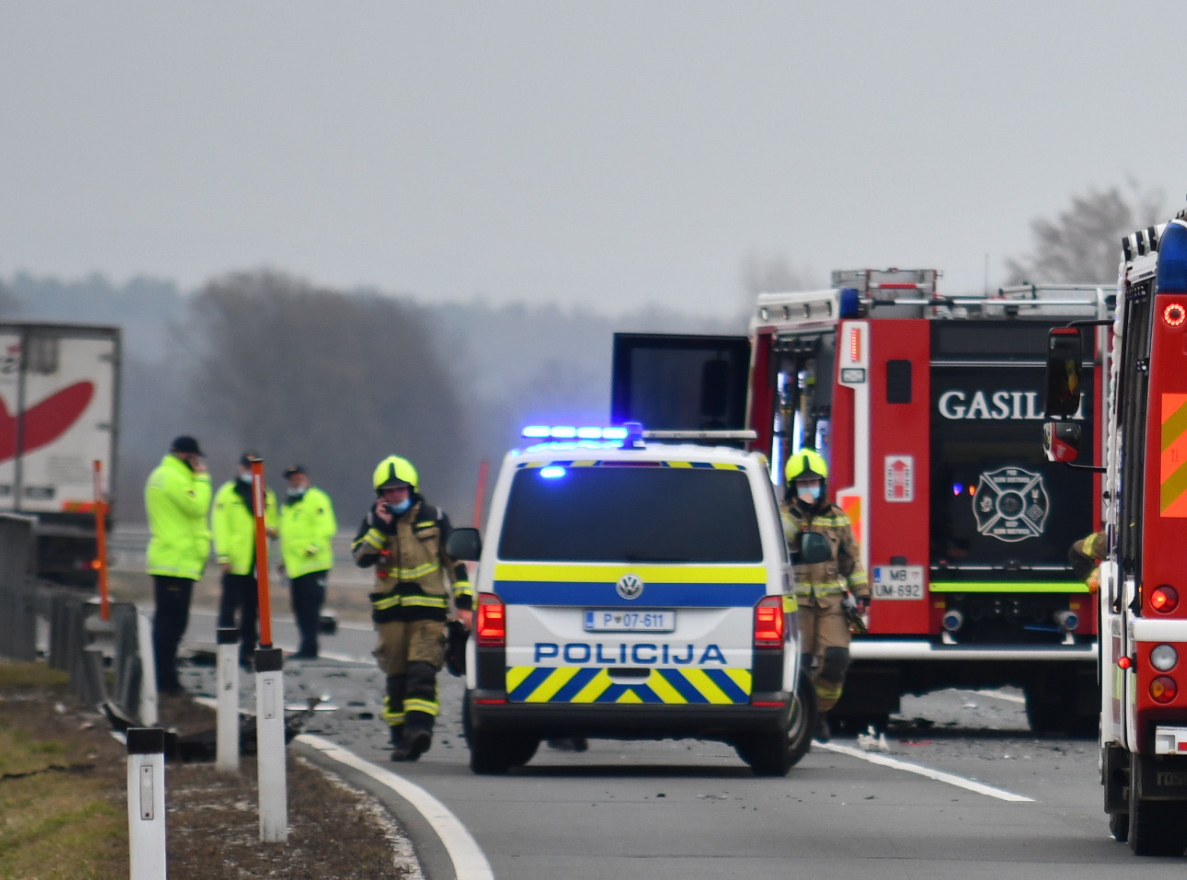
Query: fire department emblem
<point x="1011" y="504"/>
<point x="630" y="586"/>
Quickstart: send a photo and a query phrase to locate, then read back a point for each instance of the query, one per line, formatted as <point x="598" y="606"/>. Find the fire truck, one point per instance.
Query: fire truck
<point x="929" y="410"/>
<point x="1143" y="592"/>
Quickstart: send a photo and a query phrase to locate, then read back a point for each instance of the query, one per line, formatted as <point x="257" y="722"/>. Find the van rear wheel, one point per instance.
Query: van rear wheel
<point x="775" y="753"/>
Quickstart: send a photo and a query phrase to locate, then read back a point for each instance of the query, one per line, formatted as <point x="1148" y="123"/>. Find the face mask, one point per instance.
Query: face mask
<point x="809" y="493"/>
<point x="245" y="478"/>
<point x="397" y="509"/>
<point x="296" y="493"/>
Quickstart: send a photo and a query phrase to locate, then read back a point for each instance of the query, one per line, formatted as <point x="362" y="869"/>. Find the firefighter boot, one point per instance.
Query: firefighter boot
<point x="823" y="732"/>
<point x="417" y="738"/>
<point x="397" y="735"/>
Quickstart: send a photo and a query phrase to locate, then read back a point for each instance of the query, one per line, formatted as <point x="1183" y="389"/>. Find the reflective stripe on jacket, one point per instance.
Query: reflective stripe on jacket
<point x="410" y="565"/>
<point x="234" y="526"/>
<point x="177" y="500"/>
<point x="835" y="575"/>
<point x="307" y="528"/>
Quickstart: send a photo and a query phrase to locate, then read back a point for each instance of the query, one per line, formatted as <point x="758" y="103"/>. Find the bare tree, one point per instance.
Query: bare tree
<point x="331" y="380"/>
<point x="1083" y="244"/>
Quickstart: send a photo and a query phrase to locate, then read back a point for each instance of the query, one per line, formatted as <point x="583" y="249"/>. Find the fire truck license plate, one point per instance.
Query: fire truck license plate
<point x="898" y="581"/>
<point x="609" y="620"/>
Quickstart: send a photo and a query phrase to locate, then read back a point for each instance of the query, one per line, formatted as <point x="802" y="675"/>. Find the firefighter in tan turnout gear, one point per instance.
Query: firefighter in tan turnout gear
<point x="821" y="587"/>
<point x="403" y="536"/>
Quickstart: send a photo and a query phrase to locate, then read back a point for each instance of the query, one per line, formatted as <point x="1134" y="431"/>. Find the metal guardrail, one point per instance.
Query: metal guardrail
<point x="100" y="658"/>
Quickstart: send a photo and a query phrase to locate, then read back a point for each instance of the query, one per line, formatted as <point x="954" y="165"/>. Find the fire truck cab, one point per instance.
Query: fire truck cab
<point x="929" y="410"/>
<point x="1143" y="595"/>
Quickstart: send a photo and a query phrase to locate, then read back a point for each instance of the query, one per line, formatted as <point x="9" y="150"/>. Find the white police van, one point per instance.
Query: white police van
<point x="638" y="591"/>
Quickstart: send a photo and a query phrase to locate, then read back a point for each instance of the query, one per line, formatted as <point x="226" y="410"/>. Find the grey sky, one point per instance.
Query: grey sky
<point x="603" y="154"/>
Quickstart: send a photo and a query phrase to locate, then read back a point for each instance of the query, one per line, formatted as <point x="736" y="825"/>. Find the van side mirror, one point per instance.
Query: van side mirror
<point x="464" y="543"/>
<point x="1061" y="441"/>
<point x="814" y="548"/>
<point x="1065" y="353"/>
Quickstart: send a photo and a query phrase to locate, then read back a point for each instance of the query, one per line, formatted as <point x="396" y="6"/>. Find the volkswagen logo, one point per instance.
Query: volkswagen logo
<point x="630" y="586"/>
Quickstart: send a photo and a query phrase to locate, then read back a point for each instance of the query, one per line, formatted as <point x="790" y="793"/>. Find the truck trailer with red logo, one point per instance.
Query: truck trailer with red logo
<point x="1143" y="591"/>
<point x="929" y="410"/>
<point x="59" y="405"/>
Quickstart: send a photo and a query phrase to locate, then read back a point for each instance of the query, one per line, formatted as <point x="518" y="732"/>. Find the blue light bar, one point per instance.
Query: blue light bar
<point x="570" y="432"/>
<point x="1172" y="259"/>
<point x="551" y="473"/>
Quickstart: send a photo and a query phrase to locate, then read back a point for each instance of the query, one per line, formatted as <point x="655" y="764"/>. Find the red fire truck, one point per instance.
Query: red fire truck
<point x="929" y="410"/>
<point x="1143" y="588"/>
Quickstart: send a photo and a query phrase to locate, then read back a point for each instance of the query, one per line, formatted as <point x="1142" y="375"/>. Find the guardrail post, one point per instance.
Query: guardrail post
<point x="146" y="802"/>
<point x="227" y="743"/>
<point x="270" y="757"/>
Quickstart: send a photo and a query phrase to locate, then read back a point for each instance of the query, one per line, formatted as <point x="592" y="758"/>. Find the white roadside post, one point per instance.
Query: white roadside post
<point x="227" y="743"/>
<point x="270" y="757"/>
<point x="269" y="666"/>
<point x="148" y="713"/>
<point x="146" y="802"/>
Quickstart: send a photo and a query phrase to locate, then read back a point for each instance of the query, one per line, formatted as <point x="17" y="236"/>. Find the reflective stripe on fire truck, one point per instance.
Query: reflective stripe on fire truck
<point x="853" y="352"/>
<point x="1008" y="587"/>
<point x="568" y="684"/>
<point x="1173" y="467"/>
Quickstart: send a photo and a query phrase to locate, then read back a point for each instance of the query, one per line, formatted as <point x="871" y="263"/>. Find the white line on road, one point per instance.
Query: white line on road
<point x="469" y="862"/>
<point x="938" y="775"/>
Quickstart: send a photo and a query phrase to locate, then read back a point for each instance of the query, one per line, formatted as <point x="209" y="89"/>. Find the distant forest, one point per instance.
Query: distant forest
<point x="336" y="380"/>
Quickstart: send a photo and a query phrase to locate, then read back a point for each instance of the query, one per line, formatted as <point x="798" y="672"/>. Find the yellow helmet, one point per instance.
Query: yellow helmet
<point x="805" y="463"/>
<point x="394" y="471"/>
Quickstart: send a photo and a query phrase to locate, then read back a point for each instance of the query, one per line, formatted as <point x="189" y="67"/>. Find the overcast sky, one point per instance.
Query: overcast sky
<point x="598" y="153"/>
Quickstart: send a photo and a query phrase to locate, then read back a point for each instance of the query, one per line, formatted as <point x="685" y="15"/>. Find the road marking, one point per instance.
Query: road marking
<point x="469" y="862"/>
<point x="937" y="775"/>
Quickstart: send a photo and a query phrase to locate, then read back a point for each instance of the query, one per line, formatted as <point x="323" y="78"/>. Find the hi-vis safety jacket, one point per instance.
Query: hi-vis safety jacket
<point x="234" y="526"/>
<point x="307" y="527"/>
<point x="177" y="500"/>
<point x="835" y="575"/>
<point x="410" y="564"/>
<point x="1085" y="557"/>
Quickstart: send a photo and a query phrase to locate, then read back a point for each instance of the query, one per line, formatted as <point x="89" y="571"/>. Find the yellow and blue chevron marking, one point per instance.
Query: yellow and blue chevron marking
<point x="570" y="684"/>
<point x="666" y="586"/>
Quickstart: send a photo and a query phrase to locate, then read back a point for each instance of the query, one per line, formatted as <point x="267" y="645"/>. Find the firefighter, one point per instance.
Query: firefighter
<point x="821" y="587"/>
<point x="233" y="522"/>
<point x="307" y="528"/>
<point x="1085" y="556"/>
<point x="177" y="500"/>
<point x="403" y="536"/>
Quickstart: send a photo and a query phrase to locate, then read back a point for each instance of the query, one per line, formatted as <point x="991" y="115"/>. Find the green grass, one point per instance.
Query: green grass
<point x="61" y="816"/>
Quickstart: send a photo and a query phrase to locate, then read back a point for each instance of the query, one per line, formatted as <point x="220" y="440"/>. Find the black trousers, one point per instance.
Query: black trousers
<point x="241" y="594"/>
<point x="308" y="594"/>
<point x="172" y="597"/>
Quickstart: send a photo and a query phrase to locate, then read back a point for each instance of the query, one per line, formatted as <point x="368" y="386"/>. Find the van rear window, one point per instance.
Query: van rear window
<point x="628" y="513"/>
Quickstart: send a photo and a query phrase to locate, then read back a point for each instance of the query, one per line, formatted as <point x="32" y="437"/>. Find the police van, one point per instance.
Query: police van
<point x="634" y="590"/>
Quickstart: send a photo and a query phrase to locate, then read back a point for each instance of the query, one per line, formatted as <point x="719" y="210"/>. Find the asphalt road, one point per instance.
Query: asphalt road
<point x="692" y="810"/>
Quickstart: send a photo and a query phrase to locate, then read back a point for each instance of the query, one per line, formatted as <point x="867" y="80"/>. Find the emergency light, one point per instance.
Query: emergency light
<point x="1172" y="258"/>
<point x="570" y="432"/>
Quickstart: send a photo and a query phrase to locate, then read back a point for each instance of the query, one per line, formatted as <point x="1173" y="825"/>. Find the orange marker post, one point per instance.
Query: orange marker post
<point x="259" y="505"/>
<point x="101" y="542"/>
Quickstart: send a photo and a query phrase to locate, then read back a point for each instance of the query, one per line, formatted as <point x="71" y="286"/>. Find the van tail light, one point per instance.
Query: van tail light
<point x="768" y="622"/>
<point x="490" y="630"/>
<point x="1164" y="598"/>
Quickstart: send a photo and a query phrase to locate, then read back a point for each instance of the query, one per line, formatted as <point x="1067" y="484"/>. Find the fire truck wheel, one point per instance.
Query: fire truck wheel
<point x="1119" y="826"/>
<point x="1156" y="828"/>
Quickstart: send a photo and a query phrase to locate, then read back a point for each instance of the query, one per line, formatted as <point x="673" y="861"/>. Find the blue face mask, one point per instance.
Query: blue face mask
<point x="245" y="478"/>
<point x="397" y="509"/>
<point x="809" y="493"/>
